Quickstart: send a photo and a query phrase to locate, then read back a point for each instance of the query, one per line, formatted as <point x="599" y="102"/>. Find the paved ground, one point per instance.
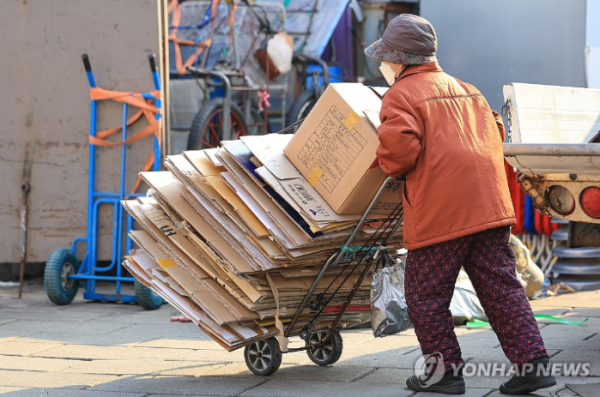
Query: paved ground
<point x="110" y="350"/>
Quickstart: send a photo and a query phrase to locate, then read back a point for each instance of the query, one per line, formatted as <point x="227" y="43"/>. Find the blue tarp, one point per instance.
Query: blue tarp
<point x="298" y="15"/>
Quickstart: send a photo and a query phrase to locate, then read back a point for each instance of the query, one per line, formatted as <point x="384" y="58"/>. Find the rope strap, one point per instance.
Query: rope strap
<point x="145" y="103"/>
<point x="211" y="17"/>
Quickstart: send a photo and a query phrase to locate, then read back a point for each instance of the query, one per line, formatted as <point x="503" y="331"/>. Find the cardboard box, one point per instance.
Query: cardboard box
<point x="281" y="175"/>
<point x="334" y="149"/>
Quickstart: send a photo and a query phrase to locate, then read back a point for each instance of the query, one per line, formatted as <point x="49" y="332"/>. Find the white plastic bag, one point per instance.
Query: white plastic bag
<point x="388" y="304"/>
<point x="280" y="51"/>
<point x="528" y="273"/>
<point x="465" y="305"/>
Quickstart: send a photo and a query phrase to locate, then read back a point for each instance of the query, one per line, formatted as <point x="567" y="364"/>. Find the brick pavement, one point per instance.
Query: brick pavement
<point x="91" y="349"/>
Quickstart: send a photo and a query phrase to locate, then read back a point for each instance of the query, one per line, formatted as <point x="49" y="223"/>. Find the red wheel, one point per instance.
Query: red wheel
<point x="207" y="128"/>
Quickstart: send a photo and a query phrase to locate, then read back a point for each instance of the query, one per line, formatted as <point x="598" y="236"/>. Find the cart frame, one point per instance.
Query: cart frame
<point x="264" y="357"/>
<point x="63" y="272"/>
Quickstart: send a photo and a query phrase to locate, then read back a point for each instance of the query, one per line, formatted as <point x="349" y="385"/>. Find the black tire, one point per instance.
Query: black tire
<point x="200" y="137"/>
<point x="147" y="298"/>
<point x="330" y="352"/>
<point x="263" y="357"/>
<point x="300" y="108"/>
<point x="60" y="289"/>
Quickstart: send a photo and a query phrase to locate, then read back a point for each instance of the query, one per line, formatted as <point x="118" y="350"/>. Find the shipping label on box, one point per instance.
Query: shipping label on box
<point x="332" y="148"/>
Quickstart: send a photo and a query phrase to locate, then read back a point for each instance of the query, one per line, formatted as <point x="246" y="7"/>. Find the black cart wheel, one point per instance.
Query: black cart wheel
<point x="263" y="357"/>
<point x="61" y="264"/>
<point x="327" y="354"/>
<point x="147" y="298"/>
<point x="207" y="127"/>
<point x="300" y="108"/>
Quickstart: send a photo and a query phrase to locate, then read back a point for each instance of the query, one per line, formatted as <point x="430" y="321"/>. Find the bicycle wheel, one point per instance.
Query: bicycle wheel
<point x="300" y="108"/>
<point x="207" y="127"/>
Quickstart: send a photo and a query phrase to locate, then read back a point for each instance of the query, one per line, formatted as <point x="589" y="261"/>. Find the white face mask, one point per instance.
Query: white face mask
<point x="388" y="73"/>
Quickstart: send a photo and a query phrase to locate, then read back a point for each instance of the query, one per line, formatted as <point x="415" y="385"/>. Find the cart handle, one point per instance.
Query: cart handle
<point x="88" y="70"/>
<point x="152" y="60"/>
<point x="155" y="77"/>
<point x="86" y="62"/>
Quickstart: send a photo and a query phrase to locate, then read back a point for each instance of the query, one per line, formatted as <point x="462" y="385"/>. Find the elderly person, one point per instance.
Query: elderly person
<point x="441" y="134"/>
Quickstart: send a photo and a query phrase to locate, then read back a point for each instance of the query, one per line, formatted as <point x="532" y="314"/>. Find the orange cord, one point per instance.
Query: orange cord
<point x="146" y="108"/>
<point x="180" y="65"/>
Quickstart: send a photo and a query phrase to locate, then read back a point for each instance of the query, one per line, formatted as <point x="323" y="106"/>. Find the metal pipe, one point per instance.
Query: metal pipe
<point x="335" y="258"/>
<point x="349" y="298"/>
<point x="101" y="278"/>
<point x="92" y="254"/>
<point x="91" y="235"/>
<point x="118" y="212"/>
<point x="226" y="107"/>
<point x="368" y="211"/>
<point x="116" y="195"/>
<point x="158" y="104"/>
<point x="77" y="241"/>
<point x="551" y="149"/>
<point x="129" y="227"/>
<point x="395" y="229"/>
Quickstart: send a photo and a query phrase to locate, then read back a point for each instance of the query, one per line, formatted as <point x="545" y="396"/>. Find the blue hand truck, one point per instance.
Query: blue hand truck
<point x="63" y="272"/>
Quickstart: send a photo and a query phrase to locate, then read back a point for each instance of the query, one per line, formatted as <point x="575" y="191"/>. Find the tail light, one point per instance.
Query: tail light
<point x="561" y="200"/>
<point x="590" y="202"/>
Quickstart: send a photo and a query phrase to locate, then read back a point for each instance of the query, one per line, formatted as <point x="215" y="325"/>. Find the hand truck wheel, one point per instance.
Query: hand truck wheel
<point x="263" y="357"/>
<point x="329" y="353"/>
<point x="148" y="299"/>
<point x="61" y="264"/>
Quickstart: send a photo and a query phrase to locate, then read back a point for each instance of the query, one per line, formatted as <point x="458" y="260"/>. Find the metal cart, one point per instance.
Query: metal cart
<point x="63" y="272"/>
<point x="324" y="345"/>
<point x="217" y="41"/>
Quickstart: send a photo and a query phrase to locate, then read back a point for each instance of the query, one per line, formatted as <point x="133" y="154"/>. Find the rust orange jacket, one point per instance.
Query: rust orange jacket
<point x="442" y="134"/>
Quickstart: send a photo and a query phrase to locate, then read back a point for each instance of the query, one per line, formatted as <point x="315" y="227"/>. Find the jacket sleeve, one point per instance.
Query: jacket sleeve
<point x="500" y="125"/>
<point x="400" y="135"/>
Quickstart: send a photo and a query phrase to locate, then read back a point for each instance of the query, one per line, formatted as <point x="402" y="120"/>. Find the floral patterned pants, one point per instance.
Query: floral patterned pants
<point x="489" y="261"/>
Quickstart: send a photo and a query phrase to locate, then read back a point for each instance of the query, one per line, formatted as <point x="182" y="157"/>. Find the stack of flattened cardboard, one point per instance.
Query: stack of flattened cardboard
<point x="234" y="237"/>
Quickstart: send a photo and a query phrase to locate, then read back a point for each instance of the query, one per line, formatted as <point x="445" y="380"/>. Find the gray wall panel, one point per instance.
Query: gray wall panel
<point x="45" y="104"/>
<point x="492" y="43"/>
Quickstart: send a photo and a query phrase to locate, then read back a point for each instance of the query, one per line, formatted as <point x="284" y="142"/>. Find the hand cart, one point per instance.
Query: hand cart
<point x="63" y="271"/>
<point x="324" y="345"/>
<point x="214" y="43"/>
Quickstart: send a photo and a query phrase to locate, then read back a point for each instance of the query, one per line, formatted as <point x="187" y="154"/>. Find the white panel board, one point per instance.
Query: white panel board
<point x="550" y="114"/>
